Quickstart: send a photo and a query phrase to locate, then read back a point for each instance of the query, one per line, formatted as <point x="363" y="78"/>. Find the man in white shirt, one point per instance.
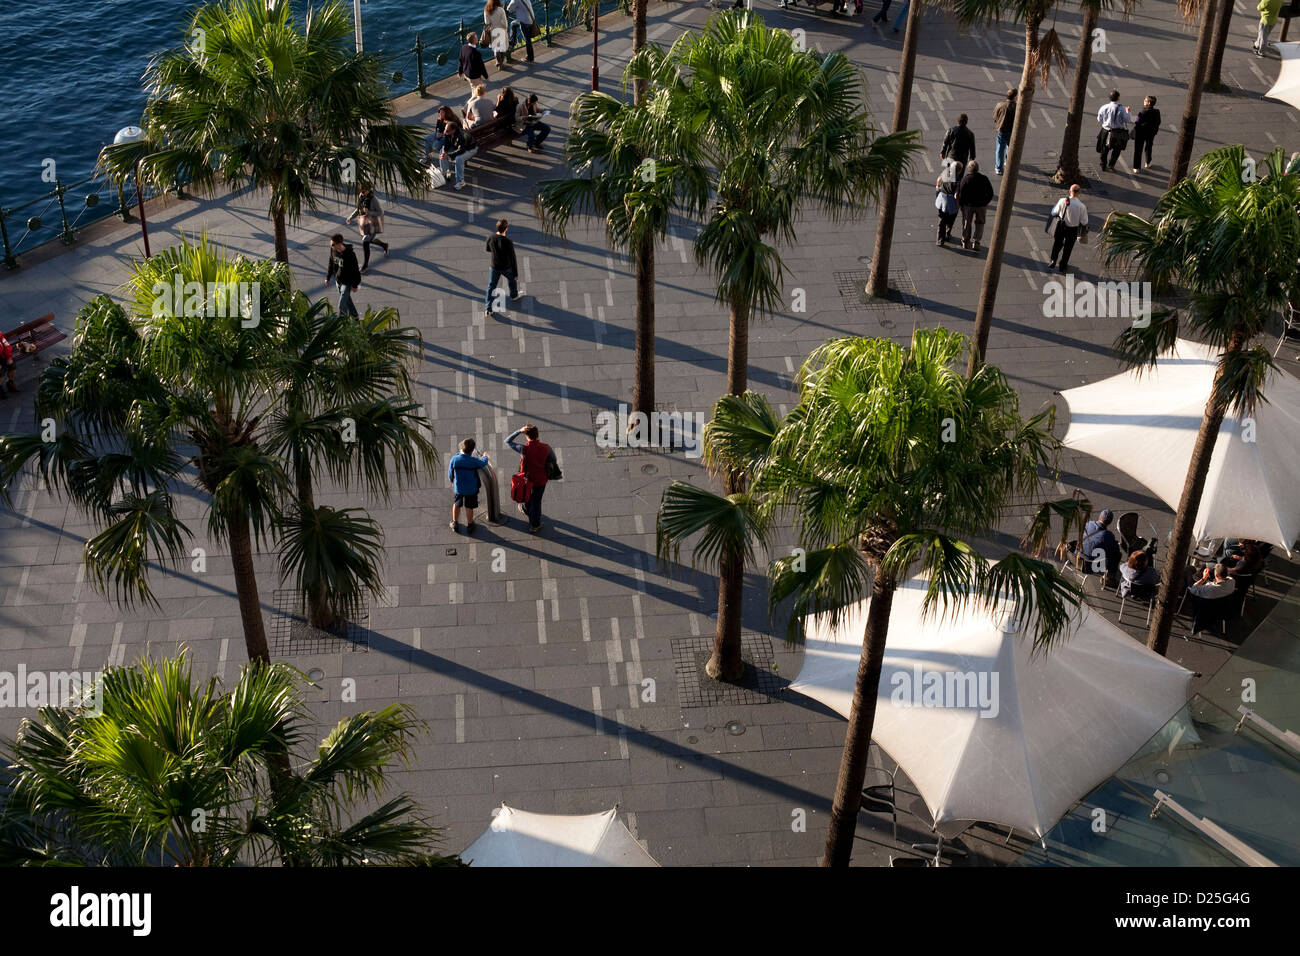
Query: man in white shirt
<point x="1115" y="122"/>
<point x="525" y="23"/>
<point x="1220" y="585"/>
<point x="1071" y="215"/>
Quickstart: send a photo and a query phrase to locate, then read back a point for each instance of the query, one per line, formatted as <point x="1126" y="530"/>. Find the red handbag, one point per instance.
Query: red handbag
<point x="519" y="488"/>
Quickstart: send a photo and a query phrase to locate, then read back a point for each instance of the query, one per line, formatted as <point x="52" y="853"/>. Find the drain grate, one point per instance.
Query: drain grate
<point x="291" y="635"/>
<point x="902" y="292"/>
<point x="696" y="688"/>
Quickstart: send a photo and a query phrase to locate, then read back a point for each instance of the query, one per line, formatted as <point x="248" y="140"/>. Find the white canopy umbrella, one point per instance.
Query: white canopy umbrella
<point x="1287" y="87"/>
<point x="985" y="729"/>
<point x="1146" y="425"/>
<point x="519" y="838"/>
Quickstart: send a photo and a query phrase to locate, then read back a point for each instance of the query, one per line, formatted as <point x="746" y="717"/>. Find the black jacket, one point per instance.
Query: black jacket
<point x="959" y="144"/>
<point x="503" y="254"/>
<point x="975" y="191"/>
<point x="471" y="63"/>
<point x="1147" y="122"/>
<point x="344" y="265"/>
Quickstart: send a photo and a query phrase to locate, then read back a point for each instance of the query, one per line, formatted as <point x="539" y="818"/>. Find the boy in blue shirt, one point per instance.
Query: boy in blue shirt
<point x="462" y="472"/>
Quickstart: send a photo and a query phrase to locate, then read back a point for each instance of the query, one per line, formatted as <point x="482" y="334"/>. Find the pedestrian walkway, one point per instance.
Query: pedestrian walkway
<point x="558" y="672"/>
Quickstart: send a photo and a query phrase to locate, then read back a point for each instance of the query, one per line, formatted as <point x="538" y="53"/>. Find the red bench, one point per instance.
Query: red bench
<point x="32" y="338"/>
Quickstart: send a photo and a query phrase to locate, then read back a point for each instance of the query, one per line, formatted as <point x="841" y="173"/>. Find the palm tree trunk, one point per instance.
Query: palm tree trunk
<point x="250" y="604"/>
<point x="639" y="8"/>
<point x="1222" y="27"/>
<point x="320" y="614"/>
<point x="878" y="279"/>
<point x="726" y="662"/>
<point x="281" y="235"/>
<point x="1172" y="579"/>
<point x="1067" y="164"/>
<point x="643" y="388"/>
<point x="862" y="718"/>
<point x="738" y="348"/>
<point x="1006" y="198"/>
<point x="1195" y="86"/>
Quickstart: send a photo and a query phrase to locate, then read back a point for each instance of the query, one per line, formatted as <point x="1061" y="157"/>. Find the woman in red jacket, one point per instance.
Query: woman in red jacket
<point x="533" y="464"/>
<point x="7" y="363"/>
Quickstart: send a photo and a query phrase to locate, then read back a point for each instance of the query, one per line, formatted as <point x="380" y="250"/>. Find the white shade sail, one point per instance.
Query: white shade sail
<point x="985" y="729"/>
<point x="1287" y="87"/>
<point x="519" y="838"/>
<point x="1146" y="426"/>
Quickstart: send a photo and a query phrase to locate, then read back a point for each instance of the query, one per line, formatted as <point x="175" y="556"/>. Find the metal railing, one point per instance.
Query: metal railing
<point x="90" y="199"/>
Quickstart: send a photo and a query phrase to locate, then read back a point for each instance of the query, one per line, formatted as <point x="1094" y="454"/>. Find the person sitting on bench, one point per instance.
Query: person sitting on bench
<point x="7" y="364"/>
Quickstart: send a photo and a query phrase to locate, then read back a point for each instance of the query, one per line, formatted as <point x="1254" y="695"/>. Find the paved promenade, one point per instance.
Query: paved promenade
<point x="529" y="655"/>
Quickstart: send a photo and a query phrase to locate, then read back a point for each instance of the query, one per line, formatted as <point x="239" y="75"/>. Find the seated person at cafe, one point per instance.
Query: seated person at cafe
<point x="1247" y="560"/>
<point x="1138" y="578"/>
<point x="1097" y="536"/>
<point x="1209" y="588"/>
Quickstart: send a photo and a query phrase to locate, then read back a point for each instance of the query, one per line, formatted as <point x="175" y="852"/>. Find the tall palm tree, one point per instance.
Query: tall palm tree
<point x="164" y="770"/>
<point x="890" y="460"/>
<point x="157" y="394"/>
<point x="1222" y="27"/>
<point x="1067" y="164"/>
<point x="344" y="407"/>
<point x="1041" y="50"/>
<point x="1231" y="246"/>
<point x="635" y="167"/>
<point x="782" y="130"/>
<point x="878" y="277"/>
<point x="1191" y="10"/>
<point x="261" y="99"/>
<point x="729" y="527"/>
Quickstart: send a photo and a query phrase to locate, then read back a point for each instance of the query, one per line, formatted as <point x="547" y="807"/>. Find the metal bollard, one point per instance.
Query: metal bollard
<point x="10" y="261"/>
<point x="493" y="495"/>
<point x="546" y="6"/>
<point x="67" y="236"/>
<point x="463" y="32"/>
<point x="123" y="212"/>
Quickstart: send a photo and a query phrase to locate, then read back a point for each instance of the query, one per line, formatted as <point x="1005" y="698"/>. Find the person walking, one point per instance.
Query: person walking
<point x="471" y="68"/>
<point x="1004" y="120"/>
<point x="535" y="131"/>
<point x="1145" y="128"/>
<point x="462" y="472"/>
<point x="1070" y="215"/>
<point x="945" y="199"/>
<point x="534" y="455"/>
<point x="974" y="193"/>
<point x="902" y="16"/>
<point x="525" y="24"/>
<point x="370" y="222"/>
<point x="457" y="147"/>
<point x="883" y="12"/>
<point x="344" y="272"/>
<point x="503" y="264"/>
<point x="496" y="31"/>
<point x="959" y="143"/>
<point x="1268" y="11"/>
<point x="1113" y="135"/>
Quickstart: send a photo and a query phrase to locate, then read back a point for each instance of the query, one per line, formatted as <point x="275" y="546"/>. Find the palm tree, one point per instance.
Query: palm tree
<point x="344" y="406"/>
<point x="1222" y="27"/>
<point x="782" y="129"/>
<point x="152" y="768"/>
<point x="259" y="99"/>
<point x="1067" y="164"/>
<point x="729" y="527"/>
<point x="1231" y="246"/>
<point x="1040" y="51"/>
<point x="161" y="393"/>
<point x="634" y="167"/>
<point x="1191" y="9"/>
<point x="888" y="461"/>
<point x="878" y="277"/>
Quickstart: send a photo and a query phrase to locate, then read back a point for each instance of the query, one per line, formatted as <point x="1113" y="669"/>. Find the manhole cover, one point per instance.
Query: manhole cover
<point x="315" y="674"/>
<point x="649" y="469"/>
<point x="1162" y="776"/>
<point x="451" y="551"/>
<point x="692" y="740"/>
<point x="735" y="728"/>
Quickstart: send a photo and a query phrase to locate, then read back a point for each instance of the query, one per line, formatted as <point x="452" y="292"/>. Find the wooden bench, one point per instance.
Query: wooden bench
<point x="495" y="132"/>
<point x="32" y="338"/>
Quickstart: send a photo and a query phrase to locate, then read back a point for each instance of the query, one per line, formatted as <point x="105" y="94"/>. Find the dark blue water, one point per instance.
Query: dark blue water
<point x="73" y="69"/>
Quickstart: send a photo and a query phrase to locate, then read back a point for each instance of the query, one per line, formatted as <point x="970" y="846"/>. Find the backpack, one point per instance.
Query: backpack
<point x="553" y="472"/>
<point x="519" y="488"/>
